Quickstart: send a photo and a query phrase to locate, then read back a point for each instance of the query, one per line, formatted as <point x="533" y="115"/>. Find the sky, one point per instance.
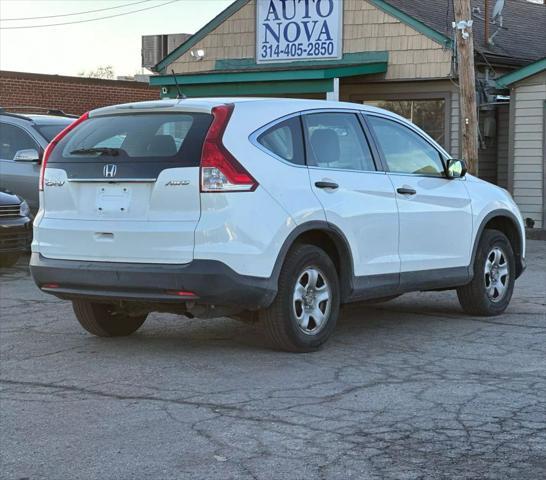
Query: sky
<point x="71" y="49"/>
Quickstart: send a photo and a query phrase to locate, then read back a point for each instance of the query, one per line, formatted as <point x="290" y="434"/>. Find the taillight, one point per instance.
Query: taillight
<point x="220" y="171"/>
<point x="51" y="145"/>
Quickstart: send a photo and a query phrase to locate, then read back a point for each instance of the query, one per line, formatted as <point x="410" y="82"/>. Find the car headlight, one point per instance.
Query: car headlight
<point x="24" y="209"/>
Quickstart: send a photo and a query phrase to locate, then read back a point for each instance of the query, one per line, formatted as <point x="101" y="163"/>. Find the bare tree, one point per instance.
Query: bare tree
<point x="103" y="71"/>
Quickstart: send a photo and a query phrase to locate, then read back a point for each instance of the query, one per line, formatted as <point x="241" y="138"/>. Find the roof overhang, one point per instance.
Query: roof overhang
<point x="528" y="71"/>
<point x="245" y="77"/>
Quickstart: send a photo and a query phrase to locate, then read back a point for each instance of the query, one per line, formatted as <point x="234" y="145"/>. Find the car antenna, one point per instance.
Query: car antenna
<point x="180" y="94"/>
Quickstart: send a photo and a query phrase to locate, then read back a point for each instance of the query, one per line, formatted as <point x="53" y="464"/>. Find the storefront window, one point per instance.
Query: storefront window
<point x="426" y="114"/>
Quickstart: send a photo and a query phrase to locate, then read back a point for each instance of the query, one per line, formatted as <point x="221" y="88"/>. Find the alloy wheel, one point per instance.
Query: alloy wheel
<point x="496" y="274"/>
<point x="312" y="301"/>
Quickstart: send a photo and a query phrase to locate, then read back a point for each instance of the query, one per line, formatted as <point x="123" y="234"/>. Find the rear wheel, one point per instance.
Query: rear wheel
<point x="304" y="313"/>
<point x="491" y="289"/>
<point x="7" y="261"/>
<point x="103" y="320"/>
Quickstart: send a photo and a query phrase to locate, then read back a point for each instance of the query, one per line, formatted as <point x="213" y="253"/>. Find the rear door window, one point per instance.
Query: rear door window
<point x="285" y="140"/>
<point x="50" y="131"/>
<point x="176" y="138"/>
<point x="336" y="140"/>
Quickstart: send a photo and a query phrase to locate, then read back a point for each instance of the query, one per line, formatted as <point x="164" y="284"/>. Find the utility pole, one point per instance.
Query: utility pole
<point x="486" y="23"/>
<point x="467" y="83"/>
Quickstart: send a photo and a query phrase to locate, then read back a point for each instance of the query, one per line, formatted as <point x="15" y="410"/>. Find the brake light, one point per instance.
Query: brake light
<point x="51" y="145"/>
<point x="220" y="171"/>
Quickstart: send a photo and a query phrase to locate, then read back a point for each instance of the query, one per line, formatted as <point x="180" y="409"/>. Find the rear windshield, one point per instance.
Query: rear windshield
<point x="152" y="137"/>
<point x="49" y="132"/>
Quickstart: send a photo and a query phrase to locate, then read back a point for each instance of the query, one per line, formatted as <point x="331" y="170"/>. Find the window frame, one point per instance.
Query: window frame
<point x="412" y="128"/>
<point x="365" y="132"/>
<point x="174" y="160"/>
<point x="37" y="145"/>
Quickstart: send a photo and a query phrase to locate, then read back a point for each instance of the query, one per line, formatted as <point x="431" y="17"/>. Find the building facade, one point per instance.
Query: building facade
<point x="393" y="54"/>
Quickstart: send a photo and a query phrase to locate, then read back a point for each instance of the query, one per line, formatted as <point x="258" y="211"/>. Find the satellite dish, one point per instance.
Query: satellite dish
<point x="496" y="16"/>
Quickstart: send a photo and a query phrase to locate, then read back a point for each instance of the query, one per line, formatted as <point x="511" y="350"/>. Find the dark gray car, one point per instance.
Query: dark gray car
<point x="23" y="138"/>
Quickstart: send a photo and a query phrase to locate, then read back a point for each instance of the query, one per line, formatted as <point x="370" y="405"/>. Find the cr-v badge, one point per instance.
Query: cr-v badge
<point x="110" y="170"/>
<point x="177" y="183"/>
<point x="53" y="183"/>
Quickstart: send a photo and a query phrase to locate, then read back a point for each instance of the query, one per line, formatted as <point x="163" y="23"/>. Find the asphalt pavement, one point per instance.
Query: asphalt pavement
<point x="409" y="389"/>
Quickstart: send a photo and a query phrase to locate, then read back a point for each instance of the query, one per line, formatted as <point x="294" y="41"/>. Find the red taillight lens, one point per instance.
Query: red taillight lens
<point x="181" y="293"/>
<point x="53" y="144"/>
<point x="220" y="171"/>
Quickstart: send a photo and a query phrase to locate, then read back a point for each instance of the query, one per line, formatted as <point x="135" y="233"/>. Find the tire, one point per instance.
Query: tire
<point x="7" y="261"/>
<point x="102" y="320"/>
<point x="490" y="291"/>
<point x="289" y="321"/>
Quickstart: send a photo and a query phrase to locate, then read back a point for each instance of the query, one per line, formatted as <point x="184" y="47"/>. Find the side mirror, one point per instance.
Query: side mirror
<point x="28" y="155"/>
<point x="455" y="168"/>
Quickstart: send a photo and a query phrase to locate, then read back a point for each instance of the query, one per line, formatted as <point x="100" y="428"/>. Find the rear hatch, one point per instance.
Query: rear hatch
<point x="124" y="188"/>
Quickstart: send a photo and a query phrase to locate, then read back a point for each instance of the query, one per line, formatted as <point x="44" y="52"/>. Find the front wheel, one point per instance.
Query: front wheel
<point x="491" y="289"/>
<point x="103" y="320"/>
<point x="304" y="313"/>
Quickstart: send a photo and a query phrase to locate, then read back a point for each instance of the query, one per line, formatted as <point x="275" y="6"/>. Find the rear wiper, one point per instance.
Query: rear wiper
<point x="102" y="150"/>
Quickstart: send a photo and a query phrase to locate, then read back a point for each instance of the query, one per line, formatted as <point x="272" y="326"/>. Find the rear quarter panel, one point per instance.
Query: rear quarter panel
<point x="244" y="230"/>
<point x="247" y="230"/>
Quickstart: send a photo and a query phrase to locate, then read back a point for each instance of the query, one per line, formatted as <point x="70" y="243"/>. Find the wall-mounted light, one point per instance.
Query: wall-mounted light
<point x="198" y="54"/>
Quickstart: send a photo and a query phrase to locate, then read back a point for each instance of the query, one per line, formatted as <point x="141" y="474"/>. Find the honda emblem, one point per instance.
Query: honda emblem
<point x="110" y="170"/>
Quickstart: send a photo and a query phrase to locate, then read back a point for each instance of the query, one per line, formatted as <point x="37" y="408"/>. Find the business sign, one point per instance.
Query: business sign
<point x="289" y="30"/>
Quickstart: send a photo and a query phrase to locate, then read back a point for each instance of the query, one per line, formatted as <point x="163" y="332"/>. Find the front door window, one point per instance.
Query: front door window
<point x="427" y="114"/>
<point x="404" y="150"/>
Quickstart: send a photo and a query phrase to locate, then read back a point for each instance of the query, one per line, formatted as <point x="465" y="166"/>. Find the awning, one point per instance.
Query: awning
<point x="245" y="77"/>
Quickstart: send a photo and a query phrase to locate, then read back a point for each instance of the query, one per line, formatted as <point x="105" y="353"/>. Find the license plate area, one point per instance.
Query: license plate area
<point x="113" y="199"/>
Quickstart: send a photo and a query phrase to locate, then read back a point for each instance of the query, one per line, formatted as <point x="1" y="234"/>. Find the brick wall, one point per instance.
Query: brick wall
<point x="71" y="94"/>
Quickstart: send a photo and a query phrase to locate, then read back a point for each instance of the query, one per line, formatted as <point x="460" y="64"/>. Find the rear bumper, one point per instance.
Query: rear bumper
<point x="213" y="282"/>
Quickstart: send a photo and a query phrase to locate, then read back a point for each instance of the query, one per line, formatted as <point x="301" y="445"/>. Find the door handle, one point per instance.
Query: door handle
<point x="326" y="185"/>
<point x="406" y="191"/>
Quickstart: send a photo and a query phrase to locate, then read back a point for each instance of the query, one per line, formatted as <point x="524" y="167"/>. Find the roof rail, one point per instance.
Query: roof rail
<point x="23" y="109"/>
<point x="14" y="115"/>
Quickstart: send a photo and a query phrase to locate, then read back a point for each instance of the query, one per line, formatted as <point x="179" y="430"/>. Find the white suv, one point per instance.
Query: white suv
<point x="263" y="209"/>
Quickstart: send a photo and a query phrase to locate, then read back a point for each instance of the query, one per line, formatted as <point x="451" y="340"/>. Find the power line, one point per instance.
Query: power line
<point x="90" y="19"/>
<point x="74" y="13"/>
